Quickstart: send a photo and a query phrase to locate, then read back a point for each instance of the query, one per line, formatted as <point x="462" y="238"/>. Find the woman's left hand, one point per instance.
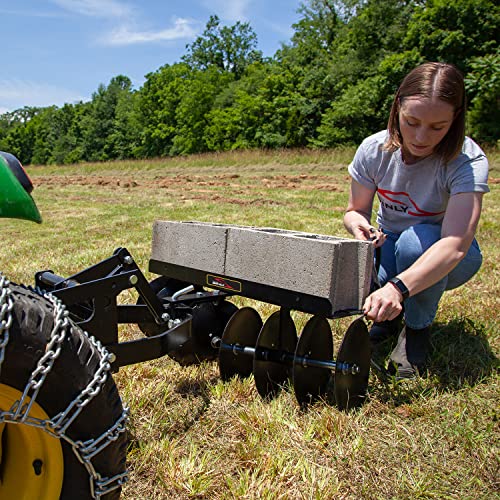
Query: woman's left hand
<point x="377" y="237"/>
<point x="383" y="304"/>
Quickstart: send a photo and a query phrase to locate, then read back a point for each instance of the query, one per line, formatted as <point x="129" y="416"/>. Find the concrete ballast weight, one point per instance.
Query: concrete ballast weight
<point x="337" y="269"/>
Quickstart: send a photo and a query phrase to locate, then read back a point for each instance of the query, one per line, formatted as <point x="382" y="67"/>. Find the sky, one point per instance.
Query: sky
<point x="60" y="51"/>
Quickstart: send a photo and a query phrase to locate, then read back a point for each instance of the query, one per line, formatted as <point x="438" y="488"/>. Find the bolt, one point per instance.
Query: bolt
<point x="165" y="317"/>
<point x="37" y="466"/>
<point x="128" y="259"/>
<point x="112" y="357"/>
<point x="133" y="279"/>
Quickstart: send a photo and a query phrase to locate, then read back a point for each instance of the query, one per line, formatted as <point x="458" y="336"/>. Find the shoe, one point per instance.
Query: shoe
<point x="409" y="357"/>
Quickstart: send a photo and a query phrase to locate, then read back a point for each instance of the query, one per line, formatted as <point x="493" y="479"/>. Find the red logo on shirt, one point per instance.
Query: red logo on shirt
<point x="402" y="202"/>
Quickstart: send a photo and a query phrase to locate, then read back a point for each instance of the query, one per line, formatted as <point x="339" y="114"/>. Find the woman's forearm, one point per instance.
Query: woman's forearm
<point x="434" y="264"/>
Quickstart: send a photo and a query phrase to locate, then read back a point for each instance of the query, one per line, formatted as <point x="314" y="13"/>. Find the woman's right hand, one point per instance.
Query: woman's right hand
<point x="358" y="215"/>
<point x="383" y="304"/>
<point x="366" y="232"/>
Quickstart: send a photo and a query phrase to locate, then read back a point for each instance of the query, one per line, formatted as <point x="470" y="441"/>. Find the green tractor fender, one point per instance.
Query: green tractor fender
<point x="15" y="188"/>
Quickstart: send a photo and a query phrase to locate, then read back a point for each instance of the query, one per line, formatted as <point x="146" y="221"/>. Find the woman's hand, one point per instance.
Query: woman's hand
<point x="369" y="233"/>
<point x="378" y="237"/>
<point x="383" y="304"/>
<point x="357" y="216"/>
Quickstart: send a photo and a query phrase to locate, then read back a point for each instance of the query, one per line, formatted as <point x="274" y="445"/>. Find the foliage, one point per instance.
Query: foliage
<point x="101" y="140"/>
<point x="227" y="48"/>
<point x="332" y="84"/>
<point x="483" y="85"/>
<point x="159" y="98"/>
<point x="454" y="31"/>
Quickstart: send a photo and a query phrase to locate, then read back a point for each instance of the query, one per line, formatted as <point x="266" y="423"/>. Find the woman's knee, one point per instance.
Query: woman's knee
<point x="467" y="268"/>
<point x="414" y="241"/>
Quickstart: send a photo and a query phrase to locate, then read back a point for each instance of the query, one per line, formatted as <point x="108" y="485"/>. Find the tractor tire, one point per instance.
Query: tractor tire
<point x="45" y="453"/>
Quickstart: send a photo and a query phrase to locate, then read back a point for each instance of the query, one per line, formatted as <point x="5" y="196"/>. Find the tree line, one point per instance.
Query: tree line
<point x="331" y="84"/>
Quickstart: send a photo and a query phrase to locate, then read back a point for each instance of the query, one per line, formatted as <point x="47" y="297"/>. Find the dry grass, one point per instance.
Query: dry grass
<point x="193" y="436"/>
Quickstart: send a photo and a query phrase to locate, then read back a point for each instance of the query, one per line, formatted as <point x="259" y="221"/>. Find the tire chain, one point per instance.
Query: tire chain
<point x="6" y="306"/>
<point x="58" y="425"/>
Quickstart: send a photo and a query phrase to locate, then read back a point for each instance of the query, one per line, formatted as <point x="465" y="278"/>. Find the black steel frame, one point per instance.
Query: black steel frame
<point x="91" y="298"/>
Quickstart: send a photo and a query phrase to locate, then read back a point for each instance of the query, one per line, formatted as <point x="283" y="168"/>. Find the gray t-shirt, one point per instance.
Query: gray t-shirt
<point x="417" y="193"/>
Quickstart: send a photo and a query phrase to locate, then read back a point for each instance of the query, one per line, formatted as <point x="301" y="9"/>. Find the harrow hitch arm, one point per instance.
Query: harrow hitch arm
<point x="91" y="298"/>
<point x="113" y="275"/>
<point x="148" y="348"/>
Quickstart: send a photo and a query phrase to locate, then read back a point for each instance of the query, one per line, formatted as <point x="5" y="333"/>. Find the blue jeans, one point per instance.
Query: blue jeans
<point x="400" y="251"/>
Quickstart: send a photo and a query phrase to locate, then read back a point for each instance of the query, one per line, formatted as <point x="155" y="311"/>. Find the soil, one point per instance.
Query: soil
<point x="245" y="190"/>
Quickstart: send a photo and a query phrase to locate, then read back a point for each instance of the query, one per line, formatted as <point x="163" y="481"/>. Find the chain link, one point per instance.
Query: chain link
<point x="63" y="420"/>
<point x="61" y="327"/>
<point x="58" y="425"/>
<point x="6" y="305"/>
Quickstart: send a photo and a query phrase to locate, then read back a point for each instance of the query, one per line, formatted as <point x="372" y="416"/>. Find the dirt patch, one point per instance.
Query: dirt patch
<point x="257" y="202"/>
<point x="193" y="182"/>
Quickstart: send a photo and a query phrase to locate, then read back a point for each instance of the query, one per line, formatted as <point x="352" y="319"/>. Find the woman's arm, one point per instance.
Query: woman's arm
<point x="357" y="219"/>
<point x="457" y="232"/>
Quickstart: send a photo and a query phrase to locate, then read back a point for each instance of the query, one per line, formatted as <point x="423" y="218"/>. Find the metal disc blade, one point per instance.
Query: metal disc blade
<point x="274" y="353"/>
<point x="316" y="342"/>
<point x="243" y="329"/>
<point x="350" y="388"/>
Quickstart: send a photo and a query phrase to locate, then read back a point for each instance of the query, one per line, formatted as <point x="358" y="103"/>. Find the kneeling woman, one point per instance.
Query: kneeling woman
<point x="430" y="180"/>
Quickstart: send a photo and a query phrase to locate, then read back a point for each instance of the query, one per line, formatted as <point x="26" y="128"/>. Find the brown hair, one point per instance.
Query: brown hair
<point x="433" y="79"/>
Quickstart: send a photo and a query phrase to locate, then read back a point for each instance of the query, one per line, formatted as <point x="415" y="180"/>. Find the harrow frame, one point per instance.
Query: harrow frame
<point x="91" y="297"/>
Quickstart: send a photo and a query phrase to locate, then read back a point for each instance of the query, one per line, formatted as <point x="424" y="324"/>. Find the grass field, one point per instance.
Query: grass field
<point x="193" y="436"/>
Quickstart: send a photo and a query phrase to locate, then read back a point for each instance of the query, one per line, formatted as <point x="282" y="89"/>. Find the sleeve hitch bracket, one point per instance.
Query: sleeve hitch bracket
<point x="91" y="297"/>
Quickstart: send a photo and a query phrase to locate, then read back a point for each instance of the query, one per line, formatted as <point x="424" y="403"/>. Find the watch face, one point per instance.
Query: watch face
<point x="401" y="287"/>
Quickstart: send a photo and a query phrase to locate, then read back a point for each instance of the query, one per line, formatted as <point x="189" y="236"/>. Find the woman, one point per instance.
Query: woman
<point x="429" y="179"/>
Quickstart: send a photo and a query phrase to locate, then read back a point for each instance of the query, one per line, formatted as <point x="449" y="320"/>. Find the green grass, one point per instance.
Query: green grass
<point x="193" y="436"/>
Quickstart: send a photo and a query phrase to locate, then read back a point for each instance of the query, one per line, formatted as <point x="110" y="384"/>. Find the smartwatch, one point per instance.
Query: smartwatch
<point x="400" y="286"/>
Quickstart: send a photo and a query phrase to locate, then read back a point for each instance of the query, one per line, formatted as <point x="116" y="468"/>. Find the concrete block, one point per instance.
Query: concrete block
<point x="338" y="269"/>
<point x="191" y="244"/>
<point x="320" y="265"/>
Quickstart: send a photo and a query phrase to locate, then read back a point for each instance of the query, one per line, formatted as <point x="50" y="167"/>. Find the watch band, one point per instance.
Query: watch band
<point x="400" y="286"/>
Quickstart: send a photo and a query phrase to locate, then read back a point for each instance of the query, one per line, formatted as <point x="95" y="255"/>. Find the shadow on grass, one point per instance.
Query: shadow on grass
<point x="188" y="402"/>
<point x="460" y="356"/>
<point x="196" y="393"/>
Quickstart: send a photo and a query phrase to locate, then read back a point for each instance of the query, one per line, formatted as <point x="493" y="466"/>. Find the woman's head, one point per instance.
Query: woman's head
<point x="428" y="112"/>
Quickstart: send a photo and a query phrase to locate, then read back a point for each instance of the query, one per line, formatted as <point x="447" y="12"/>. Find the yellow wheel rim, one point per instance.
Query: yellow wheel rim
<point x="31" y="460"/>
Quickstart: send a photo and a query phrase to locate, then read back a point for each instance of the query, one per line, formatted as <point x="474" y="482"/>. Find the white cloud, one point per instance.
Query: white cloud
<point x="126" y="31"/>
<point x="231" y="10"/>
<point x="97" y="8"/>
<point x="182" y="28"/>
<point x="15" y="94"/>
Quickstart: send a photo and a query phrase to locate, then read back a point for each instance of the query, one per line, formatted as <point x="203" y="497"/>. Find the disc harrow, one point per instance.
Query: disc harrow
<point x="185" y="312"/>
<point x="277" y="358"/>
